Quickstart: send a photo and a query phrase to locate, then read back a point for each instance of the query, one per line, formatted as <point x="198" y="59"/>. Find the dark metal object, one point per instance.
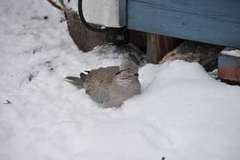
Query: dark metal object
<point x="229" y="68"/>
<point x="117" y="36"/>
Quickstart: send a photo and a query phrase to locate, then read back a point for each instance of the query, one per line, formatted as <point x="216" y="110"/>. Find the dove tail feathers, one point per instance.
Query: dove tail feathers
<point x="76" y="81"/>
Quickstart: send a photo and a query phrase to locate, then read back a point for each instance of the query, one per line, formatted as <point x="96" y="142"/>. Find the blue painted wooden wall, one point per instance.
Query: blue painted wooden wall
<point x="212" y="21"/>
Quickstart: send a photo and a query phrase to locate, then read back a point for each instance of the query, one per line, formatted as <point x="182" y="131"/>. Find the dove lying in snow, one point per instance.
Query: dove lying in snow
<point x="109" y="86"/>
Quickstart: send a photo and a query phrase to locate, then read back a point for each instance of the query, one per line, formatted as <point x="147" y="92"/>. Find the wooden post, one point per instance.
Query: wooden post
<point x="139" y="39"/>
<point x="158" y="46"/>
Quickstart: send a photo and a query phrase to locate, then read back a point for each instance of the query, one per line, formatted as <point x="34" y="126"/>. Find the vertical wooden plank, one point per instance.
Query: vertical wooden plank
<point x="158" y="46"/>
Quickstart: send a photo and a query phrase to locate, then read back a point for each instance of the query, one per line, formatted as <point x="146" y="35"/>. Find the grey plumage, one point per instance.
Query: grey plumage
<point x="109" y="86"/>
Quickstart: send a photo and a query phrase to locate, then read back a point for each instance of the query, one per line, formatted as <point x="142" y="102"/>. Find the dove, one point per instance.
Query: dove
<point x="109" y="86"/>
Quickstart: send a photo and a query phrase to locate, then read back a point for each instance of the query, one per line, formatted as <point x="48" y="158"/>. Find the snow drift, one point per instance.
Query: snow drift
<point x="182" y="113"/>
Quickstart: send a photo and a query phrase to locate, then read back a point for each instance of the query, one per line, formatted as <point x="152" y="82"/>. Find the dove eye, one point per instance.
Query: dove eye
<point x="118" y="72"/>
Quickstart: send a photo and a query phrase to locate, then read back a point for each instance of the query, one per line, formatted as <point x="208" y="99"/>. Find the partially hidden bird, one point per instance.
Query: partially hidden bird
<point x="109" y="86"/>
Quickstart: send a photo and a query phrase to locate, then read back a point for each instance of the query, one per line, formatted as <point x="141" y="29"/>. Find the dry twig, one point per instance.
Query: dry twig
<point x="56" y="5"/>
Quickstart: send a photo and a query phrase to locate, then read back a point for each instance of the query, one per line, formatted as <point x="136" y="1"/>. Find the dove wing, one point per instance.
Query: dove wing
<point x="98" y="81"/>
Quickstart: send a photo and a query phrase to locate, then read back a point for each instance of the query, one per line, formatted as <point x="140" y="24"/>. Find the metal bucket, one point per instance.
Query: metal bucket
<point x="108" y="13"/>
<point x="229" y="67"/>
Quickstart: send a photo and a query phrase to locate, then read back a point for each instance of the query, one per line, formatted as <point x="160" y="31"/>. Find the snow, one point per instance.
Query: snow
<point x="231" y="52"/>
<point x="182" y="113"/>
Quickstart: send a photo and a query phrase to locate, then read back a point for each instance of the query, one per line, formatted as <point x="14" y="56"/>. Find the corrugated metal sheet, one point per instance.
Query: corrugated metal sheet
<point x="211" y="21"/>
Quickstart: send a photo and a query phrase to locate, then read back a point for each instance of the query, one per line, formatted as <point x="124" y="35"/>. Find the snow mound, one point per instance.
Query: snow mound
<point x="182" y="113"/>
<point x="231" y="52"/>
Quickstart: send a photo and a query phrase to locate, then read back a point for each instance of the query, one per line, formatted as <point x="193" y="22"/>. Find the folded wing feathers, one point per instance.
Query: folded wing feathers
<point x="97" y="84"/>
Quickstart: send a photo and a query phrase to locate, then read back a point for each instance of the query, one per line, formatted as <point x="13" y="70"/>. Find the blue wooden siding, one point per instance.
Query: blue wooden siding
<point x="212" y="21"/>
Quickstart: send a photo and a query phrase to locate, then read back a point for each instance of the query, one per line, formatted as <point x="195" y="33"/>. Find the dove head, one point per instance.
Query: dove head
<point x="129" y="67"/>
<point x="128" y="74"/>
<point x="125" y="83"/>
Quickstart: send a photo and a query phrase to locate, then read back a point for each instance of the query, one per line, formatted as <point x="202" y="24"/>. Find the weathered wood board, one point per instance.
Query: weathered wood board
<point x="211" y="21"/>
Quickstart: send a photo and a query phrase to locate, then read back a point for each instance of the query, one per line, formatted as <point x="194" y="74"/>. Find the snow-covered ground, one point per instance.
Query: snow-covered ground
<point x="182" y="113"/>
